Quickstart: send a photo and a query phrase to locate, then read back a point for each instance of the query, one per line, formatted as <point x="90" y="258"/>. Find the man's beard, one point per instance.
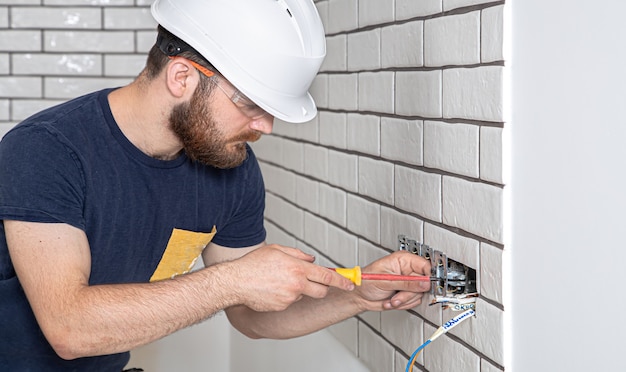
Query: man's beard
<point x="202" y="139"/>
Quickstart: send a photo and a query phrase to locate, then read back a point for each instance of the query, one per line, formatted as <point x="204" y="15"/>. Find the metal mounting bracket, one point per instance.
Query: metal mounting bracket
<point x="454" y="279"/>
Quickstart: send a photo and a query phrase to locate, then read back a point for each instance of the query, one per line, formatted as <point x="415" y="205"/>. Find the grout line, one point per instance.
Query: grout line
<point x="462" y="10"/>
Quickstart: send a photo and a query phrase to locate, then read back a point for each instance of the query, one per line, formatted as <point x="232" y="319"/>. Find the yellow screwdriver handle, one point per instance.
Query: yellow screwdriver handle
<point x="354" y="274"/>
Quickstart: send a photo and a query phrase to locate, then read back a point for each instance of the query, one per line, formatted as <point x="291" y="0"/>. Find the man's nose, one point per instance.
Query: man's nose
<point x="264" y="124"/>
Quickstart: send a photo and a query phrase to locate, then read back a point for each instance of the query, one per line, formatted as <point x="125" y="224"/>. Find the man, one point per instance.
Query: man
<point x="107" y="200"/>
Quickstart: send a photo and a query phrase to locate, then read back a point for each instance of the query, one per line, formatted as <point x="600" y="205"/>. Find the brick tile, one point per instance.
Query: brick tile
<point x="473" y="93"/>
<point x="473" y="207"/>
<point x="342" y="16"/>
<point x="485" y="366"/>
<point x="364" y="218"/>
<point x="437" y="355"/>
<point x="369" y="253"/>
<point x="452" y="40"/>
<point x="4" y="109"/>
<point x="279" y="181"/>
<point x="56" y="18"/>
<point x="4" y="17"/>
<point x="129" y="19"/>
<point x="485" y="332"/>
<point x="342" y="246"/>
<point x="491" y="272"/>
<point x="402" y="140"/>
<point x="316" y="232"/>
<point x="452" y="147"/>
<point x="364" y="50"/>
<point x="319" y="91"/>
<point x="90" y="41"/>
<point x="285" y="214"/>
<point x="343" y="91"/>
<point x="124" y="64"/>
<point x="333" y="129"/>
<point x="70" y="87"/>
<point x="5" y="127"/>
<point x="57" y="64"/>
<point x="336" y="54"/>
<point x="269" y="148"/>
<point x="403" y="329"/>
<point x="343" y="172"/>
<point x="492" y="34"/>
<point x="347" y="334"/>
<point x="456" y="247"/>
<point x="491" y="154"/>
<point x="333" y="203"/>
<point x="394" y="223"/>
<point x="20" y="2"/>
<point x="364" y="134"/>
<point x="89" y="2"/>
<point x="20" y="87"/>
<point x="371" y="318"/>
<point x="377" y="354"/>
<point x="322" y="9"/>
<point x="376" y="92"/>
<point x="418" y="192"/>
<point x="372" y="12"/>
<point x="402" y="45"/>
<point x="376" y="179"/>
<point x="455" y="4"/>
<point x="419" y="93"/>
<point x="145" y="40"/>
<point x="316" y="162"/>
<point x="276" y="235"/>
<point x="4" y="63"/>
<point x="308" y="194"/>
<point x="20" y="41"/>
<point x="410" y="8"/>
<point x="308" y="131"/>
<point x="292" y="156"/>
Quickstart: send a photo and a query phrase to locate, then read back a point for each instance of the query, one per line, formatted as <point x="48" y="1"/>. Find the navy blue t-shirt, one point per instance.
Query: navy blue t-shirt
<point x="145" y="219"/>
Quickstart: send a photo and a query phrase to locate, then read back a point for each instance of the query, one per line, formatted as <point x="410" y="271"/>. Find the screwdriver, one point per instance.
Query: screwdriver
<point x="356" y="276"/>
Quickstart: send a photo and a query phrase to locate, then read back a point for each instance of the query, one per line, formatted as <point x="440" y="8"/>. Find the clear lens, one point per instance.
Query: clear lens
<point x="243" y="103"/>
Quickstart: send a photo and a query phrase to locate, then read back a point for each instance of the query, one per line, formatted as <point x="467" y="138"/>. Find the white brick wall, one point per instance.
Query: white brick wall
<point x="408" y="140"/>
<point x="53" y="52"/>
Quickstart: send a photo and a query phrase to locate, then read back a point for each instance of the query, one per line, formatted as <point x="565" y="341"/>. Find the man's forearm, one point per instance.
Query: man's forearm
<point x="107" y="319"/>
<point x="303" y="317"/>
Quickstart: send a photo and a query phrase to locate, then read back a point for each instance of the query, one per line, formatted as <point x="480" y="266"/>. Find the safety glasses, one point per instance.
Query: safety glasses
<point x="243" y="103"/>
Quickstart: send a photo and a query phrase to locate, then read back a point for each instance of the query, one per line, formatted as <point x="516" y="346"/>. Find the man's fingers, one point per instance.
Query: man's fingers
<point x="404" y="300"/>
<point x="329" y="278"/>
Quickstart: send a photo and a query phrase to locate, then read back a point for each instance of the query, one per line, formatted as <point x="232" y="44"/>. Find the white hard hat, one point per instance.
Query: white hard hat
<point x="271" y="50"/>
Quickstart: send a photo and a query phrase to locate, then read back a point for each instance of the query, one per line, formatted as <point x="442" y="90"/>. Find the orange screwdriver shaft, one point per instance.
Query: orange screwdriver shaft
<point x="356" y="276"/>
<point x="367" y="276"/>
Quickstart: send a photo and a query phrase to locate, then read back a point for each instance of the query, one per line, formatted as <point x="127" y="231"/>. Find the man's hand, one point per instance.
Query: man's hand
<point x="399" y="295"/>
<point x="273" y="277"/>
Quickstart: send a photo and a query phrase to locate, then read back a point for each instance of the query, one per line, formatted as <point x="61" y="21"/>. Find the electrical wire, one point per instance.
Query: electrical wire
<point x="440" y="331"/>
<point x="416" y="353"/>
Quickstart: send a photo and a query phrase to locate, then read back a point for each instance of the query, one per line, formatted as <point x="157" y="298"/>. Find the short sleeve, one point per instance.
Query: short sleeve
<point x="41" y="179"/>
<point x="246" y="227"/>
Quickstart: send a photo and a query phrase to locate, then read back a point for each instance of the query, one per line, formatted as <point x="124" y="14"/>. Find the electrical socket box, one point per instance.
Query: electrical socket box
<point x="453" y="279"/>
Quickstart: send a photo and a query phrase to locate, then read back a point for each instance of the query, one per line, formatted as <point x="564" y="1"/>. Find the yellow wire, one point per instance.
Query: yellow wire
<point x="414" y="359"/>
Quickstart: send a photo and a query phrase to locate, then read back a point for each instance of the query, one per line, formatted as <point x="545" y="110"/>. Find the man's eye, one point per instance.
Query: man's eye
<point x="249" y="105"/>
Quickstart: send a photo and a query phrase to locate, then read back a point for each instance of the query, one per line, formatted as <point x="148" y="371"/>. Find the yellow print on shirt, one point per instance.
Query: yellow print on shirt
<point x="181" y="253"/>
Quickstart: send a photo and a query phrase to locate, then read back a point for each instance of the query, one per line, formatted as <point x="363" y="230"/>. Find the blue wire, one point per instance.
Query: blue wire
<point x="414" y="354"/>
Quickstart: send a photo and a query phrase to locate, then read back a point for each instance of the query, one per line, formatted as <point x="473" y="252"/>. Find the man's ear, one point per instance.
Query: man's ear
<point x="181" y="77"/>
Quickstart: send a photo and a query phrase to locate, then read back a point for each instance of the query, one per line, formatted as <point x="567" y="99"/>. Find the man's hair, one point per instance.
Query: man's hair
<point x="167" y="45"/>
